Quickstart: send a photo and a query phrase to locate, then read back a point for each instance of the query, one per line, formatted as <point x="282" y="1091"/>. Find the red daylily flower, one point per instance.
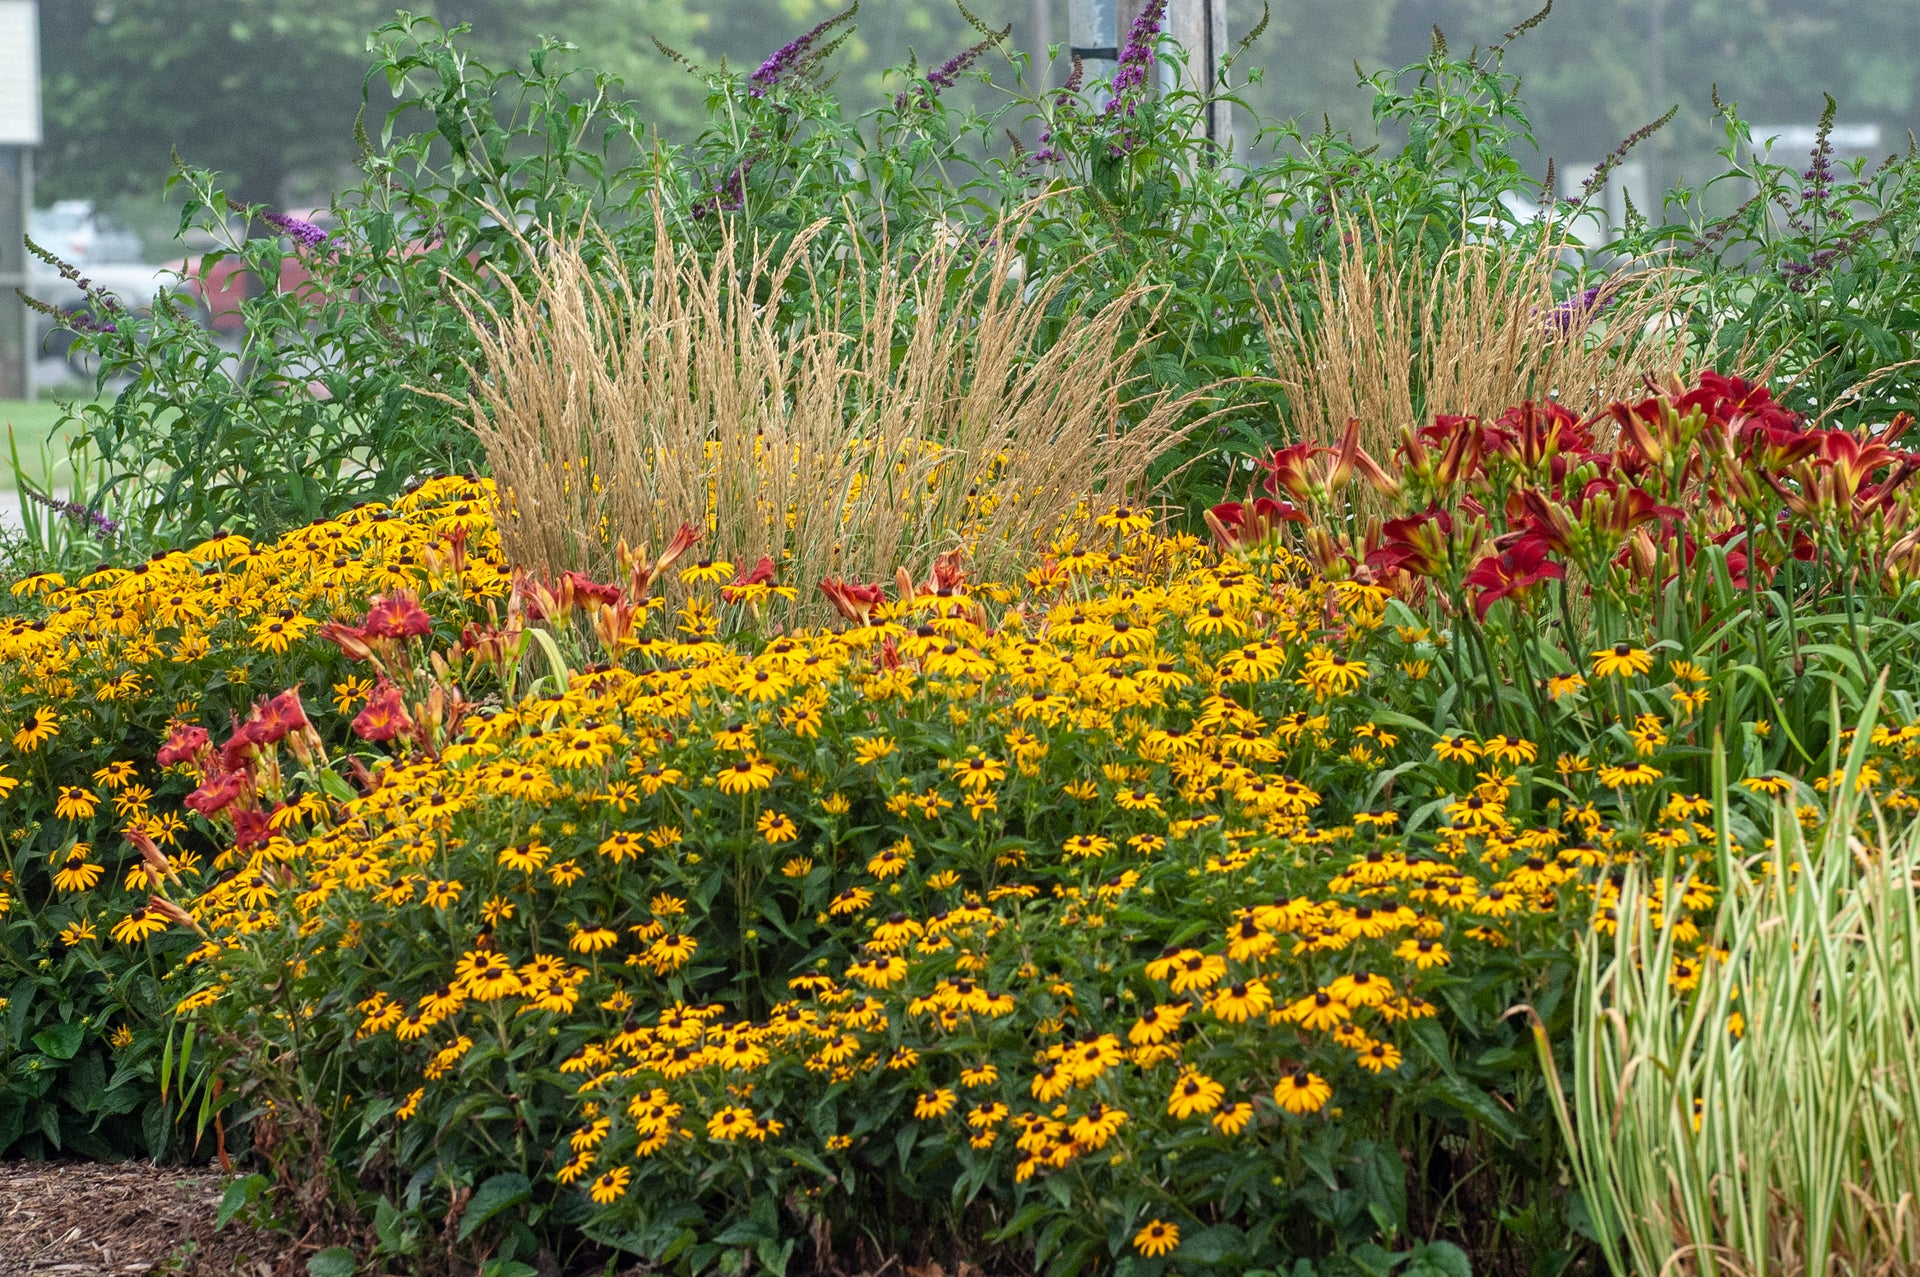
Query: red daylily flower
<point x="1509" y="571"/>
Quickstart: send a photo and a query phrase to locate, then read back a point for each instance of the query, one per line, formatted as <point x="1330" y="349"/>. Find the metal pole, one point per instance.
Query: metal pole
<point x="1200" y="28"/>
<point x="1657" y="84"/>
<point x="1039" y="37"/>
<point x="1095" y="38"/>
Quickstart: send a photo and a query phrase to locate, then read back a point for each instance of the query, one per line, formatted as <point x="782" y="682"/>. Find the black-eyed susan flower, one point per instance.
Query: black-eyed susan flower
<point x="934" y="1104"/>
<point x="746" y="776"/>
<point x="593" y="939"/>
<point x="1626" y="775"/>
<point x="1318" y="1011"/>
<point x="1093" y="1129"/>
<point x="1157" y="1238"/>
<point x="1240" y="1002"/>
<point x="1232" y="1117"/>
<point x="1561" y="686"/>
<point x="1194" y="1092"/>
<point x="1301" y="1092"/>
<point x="1378" y="1057"/>
<point x="1623" y="659"/>
<point x="776" y="827"/>
<point x="1154" y="1026"/>
<point x="979" y="1075"/>
<point x="35" y="729"/>
<point x="611" y="1185"/>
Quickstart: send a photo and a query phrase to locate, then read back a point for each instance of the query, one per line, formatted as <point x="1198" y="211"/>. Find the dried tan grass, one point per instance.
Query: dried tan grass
<point x="1393" y="345"/>
<point x="924" y="411"/>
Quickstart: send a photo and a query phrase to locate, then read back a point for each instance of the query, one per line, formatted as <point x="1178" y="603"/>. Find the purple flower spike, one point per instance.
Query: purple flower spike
<point x="95" y="522"/>
<point x="304" y="233"/>
<point x="792" y="55"/>
<point x="1575" y="311"/>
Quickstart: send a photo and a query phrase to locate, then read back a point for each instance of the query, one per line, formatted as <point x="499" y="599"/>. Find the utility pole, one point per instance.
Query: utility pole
<point x="1094" y="37"/>
<point x="1039" y="37"/>
<point x="1657" y="87"/>
<point x="1200" y="28"/>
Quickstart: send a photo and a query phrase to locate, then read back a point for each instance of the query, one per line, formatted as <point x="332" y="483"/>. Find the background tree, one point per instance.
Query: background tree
<point x="266" y="90"/>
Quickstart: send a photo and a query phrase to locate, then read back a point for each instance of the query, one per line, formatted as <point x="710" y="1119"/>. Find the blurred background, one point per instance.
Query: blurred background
<point x="267" y="91"/>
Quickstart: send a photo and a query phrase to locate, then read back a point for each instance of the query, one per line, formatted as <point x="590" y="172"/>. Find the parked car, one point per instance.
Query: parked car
<point x="105" y="253"/>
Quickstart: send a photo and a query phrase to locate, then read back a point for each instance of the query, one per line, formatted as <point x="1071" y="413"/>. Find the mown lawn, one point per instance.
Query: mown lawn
<point x="32" y="424"/>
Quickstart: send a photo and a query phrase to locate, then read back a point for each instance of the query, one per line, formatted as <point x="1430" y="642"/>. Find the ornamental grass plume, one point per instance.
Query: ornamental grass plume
<point x="918" y="406"/>
<point x="1389" y="340"/>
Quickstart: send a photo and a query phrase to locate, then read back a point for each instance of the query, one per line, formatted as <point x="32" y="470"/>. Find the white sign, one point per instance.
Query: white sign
<point x="19" y="73"/>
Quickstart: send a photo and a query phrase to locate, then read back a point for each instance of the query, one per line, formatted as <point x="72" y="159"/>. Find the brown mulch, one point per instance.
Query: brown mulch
<point x="91" y="1219"/>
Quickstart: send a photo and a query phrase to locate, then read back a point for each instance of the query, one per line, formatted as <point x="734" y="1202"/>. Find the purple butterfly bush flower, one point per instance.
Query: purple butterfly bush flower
<point x="300" y="231"/>
<point x="729" y="194"/>
<point x="1130" y="80"/>
<point x="1576" y="310"/>
<point x="792" y="54"/>
<point x="95" y="522"/>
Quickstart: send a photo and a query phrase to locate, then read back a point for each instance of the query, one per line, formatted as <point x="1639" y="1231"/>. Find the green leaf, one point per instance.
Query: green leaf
<point x="61" y="1041"/>
<point x="335" y="787"/>
<point x="1216" y="1245"/>
<point x="500" y="1193"/>
<point x="334" y="1261"/>
<point x="507" y="1268"/>
<point x="240" y="1194"/>
<point x="1438" y="1259"/>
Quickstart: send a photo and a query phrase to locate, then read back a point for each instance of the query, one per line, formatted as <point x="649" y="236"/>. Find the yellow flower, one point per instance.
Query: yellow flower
<point x="1086" y="846"/>
<point x="1233" y="1117"/>
<point x="934" y="1104"/>
<point x="77" y="875"/>
<point x="75" y="803"/>
<point x="870" y="750"/>
<point x="776" y="827"/>
<point x="707" y="572"/>
<point x="1623" y="659"/>
<point x="1562" y="685"/>
<point x="593" y="940"/>
<point x="1457" y="749"/>
<point x="620" y="846"/>
<point x="1194" y="1092"/>
<point x="1629" y="774"/>
<point x="138" y="925"/>
<point x="1157" y="1238"/>
<point x="39" y="725"/>
<point x="745" y="776"/>
<point x="1238" y="1003"/>
<point x="412" y="1105"/>
<point x="1154" y="1027"/>
<point x="611" y="1186"/>
<point x="1302" y="1092"/>
<point x="1379" y="1057"/>
<point x="1318" y="1011"/>
<point x="983" y="1075"/>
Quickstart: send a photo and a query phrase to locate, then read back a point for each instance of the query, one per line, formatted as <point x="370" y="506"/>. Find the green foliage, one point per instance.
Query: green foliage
<point x="95" y="677"/>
